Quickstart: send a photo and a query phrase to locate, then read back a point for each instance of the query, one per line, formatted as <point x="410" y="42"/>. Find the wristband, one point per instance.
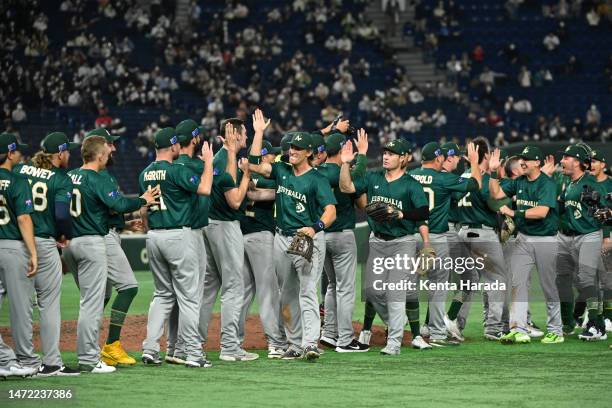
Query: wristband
<point x="143" y="202"/>
<point x="519" y="214"/>
<point x="494" y="175"/>
<point x="318" y="226"/>
<point x="254" y="159"/>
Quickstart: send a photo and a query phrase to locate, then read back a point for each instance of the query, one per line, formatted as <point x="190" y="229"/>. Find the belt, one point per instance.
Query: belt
<point x="570" y="233"/>
<point x="384" y="237"/>
<point x="285" y="233"/>
<point x="477" y="226"/>
<point x="169" y="229"/>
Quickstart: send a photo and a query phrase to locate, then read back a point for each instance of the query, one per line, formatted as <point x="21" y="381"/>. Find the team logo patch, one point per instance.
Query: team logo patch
<point x="193" y="179"/>
<point x="299" y="208"/>
<point x="376" y="187"/>
<point x="215" y="172"/>
<point x="113" y="194"/>
<point x="28" y="203"/>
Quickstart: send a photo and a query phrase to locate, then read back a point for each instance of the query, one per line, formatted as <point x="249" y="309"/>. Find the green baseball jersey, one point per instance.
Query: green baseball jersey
<point x="222" y="182"/>
<point x="575" y="214"/>
<point x="473" y="207"/>
<point x="115" y="219"/>
<point x="439" y="187"/>
<point x="48" y="187"/>
<point x="561" y="181"/>
<point x="607" y="187"/>
<point x="93" y="197"/>
<point x="405" y="193"/>
<point x="257" y="216"/>
<point x="529" y="194"/>
<point x="299" y="199"/>
<point x="201" y="203"/>
<point x="178" y="183"/>
<point x="15" y="200"/>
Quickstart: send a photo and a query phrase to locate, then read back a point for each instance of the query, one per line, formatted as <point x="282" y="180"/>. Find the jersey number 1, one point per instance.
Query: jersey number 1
<point x="161" y="205"/>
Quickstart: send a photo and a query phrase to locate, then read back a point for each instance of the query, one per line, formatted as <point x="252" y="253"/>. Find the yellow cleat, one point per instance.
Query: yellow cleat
<point x="113" y="354"/>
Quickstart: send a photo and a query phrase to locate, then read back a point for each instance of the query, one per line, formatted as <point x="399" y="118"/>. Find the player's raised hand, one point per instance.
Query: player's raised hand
<point x="494" y="161"/>
<point x="362" y="141"/>
<point x="343" y="125"/>
<point x="346" y="154"/>
<point x="259" y="122"/>
<point x="207" y="152"/>
<point x="472" y="153"/>
<point x="549" y="165"/>
<point x="151" y="195"/>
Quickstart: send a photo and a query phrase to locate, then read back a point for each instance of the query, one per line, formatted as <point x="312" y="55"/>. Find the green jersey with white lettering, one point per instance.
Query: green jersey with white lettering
<point x="529" y="194"/>
<point x="607" y="186"/>
<point x="93" y="197"/>
<point x="405" y="193"/>
<point x="257" y="216"/>
<point x="299" y="199"/>
<point x="439" y="187"/>
<point x="222" y="182"/>
<point x="201" y="202"/>
<point x="178" y="184"/>
<point x="48" y="187"/>
<point x="473" y="208"/>
<point x="15" y="200"/>
<point x="575" y="213"/>
<point x="115" y="219"/>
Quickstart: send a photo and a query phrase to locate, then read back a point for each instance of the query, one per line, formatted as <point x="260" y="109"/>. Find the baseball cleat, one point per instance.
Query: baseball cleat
<point x="494" y="336"/>
<point x="592" y="333"/>
<point x="176" y="358"/>
<point x="201" y="363"/>
<point x="419" y="343"/>
<point x="291" y="354"/>
<point x="453" y="329"/>
<point x="425" y="331"/>
<point x="113" y="354"/>
<point x="552" y="338"/>
<point x="68" y="372"/>
<point x="99" y="368"/>
<point x="311" y="353"/>
<point x="608" y="325"/>
<point x="447" y="342"/>
<point x="390" y="351"/>
<point x="534" y="331"/>
<point x="328" y="342"/>
<point x="275" y="352"/>
<point x="48" y="370"/>
<point x="353" y="347"/>
<point x="515" y="337"/>
<point x="17" y="370"/>
<point x="241" y="355"/>
<point x="365" y="336"/>
<point x="151" y="359"/>
<point x="569" y="330"/>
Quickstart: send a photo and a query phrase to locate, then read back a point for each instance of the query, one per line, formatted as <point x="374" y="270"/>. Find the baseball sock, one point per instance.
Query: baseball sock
<point x="453" y="310"/>
<point x="412" y="312"/>
<point x="118" y="312"/>
<point x="607" y="304"/>
<point x="368" y="316"/>
<point x="567" y="314"/>
<point x="426" y="315"/>
<point x="579" y="309"/>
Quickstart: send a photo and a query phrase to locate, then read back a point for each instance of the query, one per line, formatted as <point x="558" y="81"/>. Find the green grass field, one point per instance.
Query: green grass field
<point x="476" y="374"/>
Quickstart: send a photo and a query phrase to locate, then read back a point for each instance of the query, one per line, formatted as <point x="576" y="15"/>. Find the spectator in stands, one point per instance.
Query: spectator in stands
<point x="551" y="42"/>
<point x="19" y="115"/>
<point x="572" y="66"/>
<point x="593" y="18"/>
<point x="478" y="54"/>
<point x="593" y="116"/>
<point x="415" y="96"/>
<point x="512" y="7"/>
<point x="322" y="91"/>
<point x="344" y="86"/>
<point x="524" y="77"/>
<point x="392" y="10"/>
<point x="542" y="76"/>
<point x="412" y="125"/>
<point x="438" y="119"/>
<point x="511" y="53"/>
<point x="493" y="119"/>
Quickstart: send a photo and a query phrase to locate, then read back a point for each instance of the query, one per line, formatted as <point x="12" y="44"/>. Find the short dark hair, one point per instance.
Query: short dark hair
<point x="510" y="162"/>
<point x="186" y="143"/>
<point x="237" y="123"/>
<point x="3" y="158"/>
<point x="483" y="147"/>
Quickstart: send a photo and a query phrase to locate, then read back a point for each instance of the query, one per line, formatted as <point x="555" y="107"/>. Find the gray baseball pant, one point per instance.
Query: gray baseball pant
<point x="120" y="273"/>
<point x="340" y="268"/>
<point x="173" y="260"/>
<point x="7" y="355"/>
<point x="389" y="303"/>
<point x="89" y="254"/>
<point x="225" y="259"/>
<point x="540" y="252"/>
<point x="298" y="280"/>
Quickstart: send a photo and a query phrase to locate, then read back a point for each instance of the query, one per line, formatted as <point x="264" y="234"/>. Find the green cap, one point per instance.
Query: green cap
<point x="334" y="143"/>
<point x="452" y="149"/>
<point x="531" y="153"/>
<point x="318" y="143"/>
<point x="578" y="152"/>
<point x="267" y="148"/>
<point x="286" y="141"/>
<point x="167" y="137"/>
<point x="104" y="133"/>
<point x="301" y="140"/>
<point x="396" y="146"/>
<point x="189" y="129"/>
<point x="586" y="147"/>
<point x="9" y="143"/>
<point x="432" y="150"/>
<point x="57" y="142"/>
<point x="598" y="155"/>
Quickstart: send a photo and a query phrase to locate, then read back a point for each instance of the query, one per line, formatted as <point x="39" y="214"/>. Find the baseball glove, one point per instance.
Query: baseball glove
<point x="505" y="227"/>
<point x="425" y="257"/>
<point x="301" y="245"/>
<point x="381" y="212"/>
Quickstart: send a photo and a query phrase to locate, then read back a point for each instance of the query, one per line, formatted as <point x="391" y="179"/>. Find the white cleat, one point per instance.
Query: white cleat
<point x="101" y="368"/>
<point x="419" y="343"/>
<point x="365" y="336"/>
<point x="534" y="332"/>
<point x="425" y="331"/>
<point x="275" y="352"/>
<point x="17" y="370"/>
<point x="608" y="325"/>
<point x="453" y="329"/>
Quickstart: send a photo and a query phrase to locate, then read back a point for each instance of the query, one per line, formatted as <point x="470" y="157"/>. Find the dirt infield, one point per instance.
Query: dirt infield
<point x="134" y="332"/>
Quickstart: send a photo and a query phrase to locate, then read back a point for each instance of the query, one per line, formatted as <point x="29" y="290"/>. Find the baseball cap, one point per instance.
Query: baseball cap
<point x="189" y="128"/>
<point x="104" y="133"/>
<point x="452" y="149"/>
<point x="9" y="143"/>
<point x="407" y="146"/>
<point x="167" y="137"/>
<point x="598" y="155"/>
<point x="57" y="142"/>
<point x="301" y="140"/>
<point x="396" y="146"/>
<point x="334" y="143"/>
<point x="432" y="150"/>
<point x="578" y="152"/>
<point x="286" y="141"/>
<point x="531" y="153"/>
<point x="267" y="148"/>
<point x="318" y="143"/>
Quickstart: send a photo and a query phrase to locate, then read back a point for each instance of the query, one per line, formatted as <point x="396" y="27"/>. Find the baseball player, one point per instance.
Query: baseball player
<point x="93" y="197"/>
<point x="225" y="245"/>
<point x="300" y="195"/>
<point x="259" y="275"/>
<point x="341" y="250"/>
<point x="537" y="221"/>
<point x="51" y="193"/>
<point x="171" y="246"/>
<point x="580" y="242"/>
<point x="18" y="255"/>
<point x="394" y="238"/>
<point x="598" y="167"/>
<point x="190" y="132"/>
